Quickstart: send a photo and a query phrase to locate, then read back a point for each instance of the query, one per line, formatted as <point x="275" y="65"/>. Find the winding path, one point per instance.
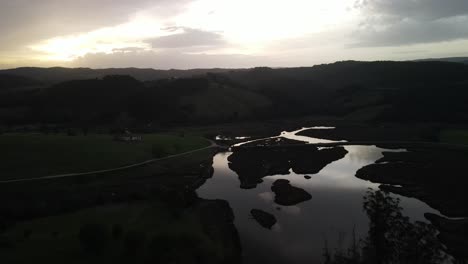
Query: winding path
<point x="212" y="145"/>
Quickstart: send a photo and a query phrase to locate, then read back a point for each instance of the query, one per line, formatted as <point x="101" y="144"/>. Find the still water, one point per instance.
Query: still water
<point x="301" y="231"/>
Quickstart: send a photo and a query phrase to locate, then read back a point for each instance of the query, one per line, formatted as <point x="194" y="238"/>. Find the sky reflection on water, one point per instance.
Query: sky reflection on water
<point x="299" y="235"/>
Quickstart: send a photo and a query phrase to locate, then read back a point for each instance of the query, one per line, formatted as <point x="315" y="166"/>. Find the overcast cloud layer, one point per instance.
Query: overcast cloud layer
<point x="403" y="22"/>
<point x="224" y="33"/>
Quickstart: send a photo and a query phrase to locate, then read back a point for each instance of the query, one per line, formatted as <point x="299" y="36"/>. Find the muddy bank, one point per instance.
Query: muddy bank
<point x="435" y="177"/>
<point x="253" y="164"/>
<point x="277" y="141"/>
<point x="303" y="162"/>
<point x="217" y="219"/>
<point x="265" y="219"/>
<point x="287" y="195"/>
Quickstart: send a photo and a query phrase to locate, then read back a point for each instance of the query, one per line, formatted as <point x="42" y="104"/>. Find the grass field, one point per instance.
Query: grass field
<point x="454" y="136"/>
<point x="35" y="155"/>
<point x="55" y="239"/>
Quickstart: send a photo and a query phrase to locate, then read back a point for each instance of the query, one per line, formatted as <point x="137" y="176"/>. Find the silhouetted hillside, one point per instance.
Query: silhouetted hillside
<point x="364" y="91"/>
<point x="122" y="100"/>
<point x="10" y="82"/>
<point x="375" y="89"/>
<point x="463" y="60"/>
<point x="60" y="74"/>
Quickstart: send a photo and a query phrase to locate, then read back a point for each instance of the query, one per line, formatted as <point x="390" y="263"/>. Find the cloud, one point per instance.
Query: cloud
<point x="27" y="21"/>
<point x="416" y="9"/>
<point x="403" y="22"/>
<point x="167" y="59"/>
<point x="188" y="38"/>
<point x="408" y="32"/>
<point x="214" y="33"/>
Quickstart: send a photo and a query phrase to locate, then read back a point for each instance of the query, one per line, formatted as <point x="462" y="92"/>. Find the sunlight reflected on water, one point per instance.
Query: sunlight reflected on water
<point x="301" y="230"/>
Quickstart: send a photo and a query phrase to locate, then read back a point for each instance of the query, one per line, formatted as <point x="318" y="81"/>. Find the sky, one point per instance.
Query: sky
<point x="187" y="34"/>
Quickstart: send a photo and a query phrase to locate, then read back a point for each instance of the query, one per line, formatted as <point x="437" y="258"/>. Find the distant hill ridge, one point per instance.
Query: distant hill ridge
<point x="463" y="60"/>
<point x="60" y="74"/>
<point x="381" y="90"/>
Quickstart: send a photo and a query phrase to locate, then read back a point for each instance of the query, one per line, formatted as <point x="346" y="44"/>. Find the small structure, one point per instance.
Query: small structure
<point x="127" y="136"/>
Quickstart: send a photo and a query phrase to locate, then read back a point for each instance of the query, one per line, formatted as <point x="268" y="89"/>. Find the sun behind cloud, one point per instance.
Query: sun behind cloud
<point x="247" y="26"/>
<point x="201" y="33"/>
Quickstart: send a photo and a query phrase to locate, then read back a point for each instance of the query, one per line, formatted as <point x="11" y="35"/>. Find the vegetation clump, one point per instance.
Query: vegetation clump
<point x="287" y="195"/>
<point x="392" y="237"/>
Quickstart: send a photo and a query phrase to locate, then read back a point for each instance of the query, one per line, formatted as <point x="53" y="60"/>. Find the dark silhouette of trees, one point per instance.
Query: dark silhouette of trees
<point x="390" y="91"/>
<point x="392" y="238"/>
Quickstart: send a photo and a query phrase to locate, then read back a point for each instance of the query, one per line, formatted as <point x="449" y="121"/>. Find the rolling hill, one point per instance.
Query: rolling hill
<point x="59" y="74"/>
<point x="372" y="91"/>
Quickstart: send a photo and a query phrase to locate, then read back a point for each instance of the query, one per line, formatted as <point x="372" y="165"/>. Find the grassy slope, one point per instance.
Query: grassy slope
<point x="33" y="155"/>
<point x="225" y="101"/>
<point x="150" y="219"/>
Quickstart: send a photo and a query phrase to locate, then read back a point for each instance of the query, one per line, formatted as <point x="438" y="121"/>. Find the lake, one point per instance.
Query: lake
<point x="304" y="229"/>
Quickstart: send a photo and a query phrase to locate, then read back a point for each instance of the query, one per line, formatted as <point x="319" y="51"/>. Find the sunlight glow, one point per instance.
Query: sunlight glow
<point x="247" y="25"/>
<point x="253" y="22"/>
<point x="104" y="40"/>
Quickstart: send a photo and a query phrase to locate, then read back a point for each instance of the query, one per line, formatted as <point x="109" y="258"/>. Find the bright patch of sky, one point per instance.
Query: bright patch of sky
<point x="245" y="33"/>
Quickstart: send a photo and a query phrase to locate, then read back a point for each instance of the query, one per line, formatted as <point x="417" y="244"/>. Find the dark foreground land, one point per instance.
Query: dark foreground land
<point x="59" y="153"/>
<point x="137" y="213"/>
<point x="152" y="213"/>
<point x="146" y="214"/>
<point x="59" y="121"/>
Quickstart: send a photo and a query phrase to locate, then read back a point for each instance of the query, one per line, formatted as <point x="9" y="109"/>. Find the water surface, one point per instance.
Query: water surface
<point x="301" y="230"/>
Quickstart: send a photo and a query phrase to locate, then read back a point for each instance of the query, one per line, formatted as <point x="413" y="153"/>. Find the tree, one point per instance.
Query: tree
<point x="392" y="238"/>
